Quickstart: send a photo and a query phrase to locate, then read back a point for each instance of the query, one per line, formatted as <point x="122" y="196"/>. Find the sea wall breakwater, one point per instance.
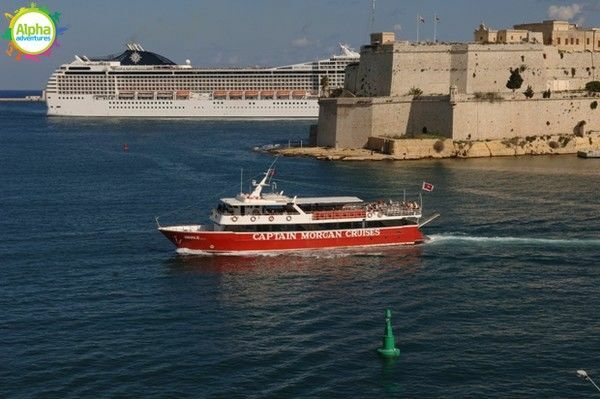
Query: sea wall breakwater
<point x="388" y="148"/>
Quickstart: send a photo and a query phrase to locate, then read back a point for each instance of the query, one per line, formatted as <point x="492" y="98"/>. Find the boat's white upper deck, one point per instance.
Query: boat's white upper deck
<point x="283" y="200"/>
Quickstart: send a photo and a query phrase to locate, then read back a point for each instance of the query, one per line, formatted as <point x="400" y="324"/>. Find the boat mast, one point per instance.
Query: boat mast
<point x="263" y="183"/>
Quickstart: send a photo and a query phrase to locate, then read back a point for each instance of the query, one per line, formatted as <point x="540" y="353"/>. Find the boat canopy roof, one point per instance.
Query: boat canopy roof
<point x="283" y="200"/>
<point x="327" y="200"/>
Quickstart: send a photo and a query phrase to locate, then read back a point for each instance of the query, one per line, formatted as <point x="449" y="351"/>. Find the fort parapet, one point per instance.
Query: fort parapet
<point x="460" y="91"/>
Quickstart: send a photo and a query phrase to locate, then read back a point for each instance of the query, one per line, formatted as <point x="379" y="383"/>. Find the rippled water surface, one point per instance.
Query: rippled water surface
<point x="502" y="302"/>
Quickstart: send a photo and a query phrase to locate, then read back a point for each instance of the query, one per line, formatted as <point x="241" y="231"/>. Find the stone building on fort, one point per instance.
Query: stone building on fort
<point x="460" y="90"/>
<point x="560" y="34"/>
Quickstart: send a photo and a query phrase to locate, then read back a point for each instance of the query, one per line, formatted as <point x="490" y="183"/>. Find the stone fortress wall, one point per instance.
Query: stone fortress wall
<point x="464" y="93"/>
<point x="393" y="69"/>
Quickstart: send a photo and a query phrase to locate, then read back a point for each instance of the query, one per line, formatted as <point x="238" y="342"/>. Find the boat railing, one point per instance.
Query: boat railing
<point x="394" y="208"/>
<point x="371" y="211"/>
<point x="401" y="212"/>
<point x="341" y="214"/>
<point x="189" y="228"/>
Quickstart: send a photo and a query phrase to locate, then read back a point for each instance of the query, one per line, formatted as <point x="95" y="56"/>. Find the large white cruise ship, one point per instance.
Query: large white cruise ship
<point x="139" y="83"/>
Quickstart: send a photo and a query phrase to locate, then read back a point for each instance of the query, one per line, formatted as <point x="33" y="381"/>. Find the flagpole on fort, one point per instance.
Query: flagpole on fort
<point x="418" y="23"/>
<point x="435" y="21"/>
<point x="372" y="22"/>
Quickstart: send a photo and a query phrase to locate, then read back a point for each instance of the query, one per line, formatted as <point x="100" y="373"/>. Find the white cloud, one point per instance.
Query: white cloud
<point x="397" y="27"/>
<point x="301" y="42"/>
<point x="565" y="12"/>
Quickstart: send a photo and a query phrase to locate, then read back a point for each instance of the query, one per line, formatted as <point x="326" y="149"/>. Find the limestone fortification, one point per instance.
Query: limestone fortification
<point x="459" y="91"/>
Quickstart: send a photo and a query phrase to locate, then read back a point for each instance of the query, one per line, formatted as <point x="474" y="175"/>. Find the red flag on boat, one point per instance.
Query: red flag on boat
<point x="427" y="187"/>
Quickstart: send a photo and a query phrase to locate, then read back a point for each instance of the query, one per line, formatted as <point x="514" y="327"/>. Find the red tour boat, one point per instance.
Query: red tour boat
<point x="271" y="222"/>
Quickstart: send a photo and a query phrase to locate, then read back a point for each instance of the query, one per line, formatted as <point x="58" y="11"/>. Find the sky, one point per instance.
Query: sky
<point x="264" y="32"/>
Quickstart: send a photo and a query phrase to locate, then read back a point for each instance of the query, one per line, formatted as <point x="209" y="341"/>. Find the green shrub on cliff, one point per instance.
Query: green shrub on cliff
<point x="515" y="81"/>
<point x="529" y="92"/>
<point x="415" y="92"/>
<point x="325" y="84"/>
<point x="490" y="96"/>
<point x="593" y="86"/>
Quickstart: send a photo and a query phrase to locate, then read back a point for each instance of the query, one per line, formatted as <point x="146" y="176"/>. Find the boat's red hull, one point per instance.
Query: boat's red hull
<point x="234" y="242"/>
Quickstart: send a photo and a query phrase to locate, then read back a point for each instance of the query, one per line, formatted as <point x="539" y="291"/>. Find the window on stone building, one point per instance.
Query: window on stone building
<point x="577" y="41"/>
<point x="572" y="41"/>
<point x="588" y="41"/>
<point x="558" y="40"/>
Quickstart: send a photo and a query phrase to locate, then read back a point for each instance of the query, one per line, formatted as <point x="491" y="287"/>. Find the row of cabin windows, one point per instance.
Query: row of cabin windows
<point x="318" y="226"/>
<point x="269" y="106"/>
<point x="166" y="87"/>
<point x="307" y="80"/>
<point x="143" y="107"/>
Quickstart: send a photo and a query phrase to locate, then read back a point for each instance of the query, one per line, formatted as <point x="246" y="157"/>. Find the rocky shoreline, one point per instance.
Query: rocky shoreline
<point x="385" y="148"/>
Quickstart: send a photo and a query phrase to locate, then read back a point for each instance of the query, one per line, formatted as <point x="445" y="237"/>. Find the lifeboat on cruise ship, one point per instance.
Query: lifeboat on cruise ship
<point x="182" y="93"/>
<point x="219" y="93"/>
<point x="164" y="95"/>
<point x="267" y="93"/>
<point x="251" y="93"/>
<point x="236" y="93"/>
<point x="299" y="93"/>
<point x="145" y="95"/>
<point x="126" y="94"/>
<point x="283" y="93"/>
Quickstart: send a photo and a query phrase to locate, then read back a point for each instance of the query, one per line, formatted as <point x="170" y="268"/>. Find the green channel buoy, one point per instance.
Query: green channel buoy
<point x="388" y="349"/>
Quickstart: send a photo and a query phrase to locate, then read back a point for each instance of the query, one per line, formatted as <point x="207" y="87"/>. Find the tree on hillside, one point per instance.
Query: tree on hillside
<point x="515" y="81"/>
<point x="325" y="85"/>
<point x="529" y="92"/>
<point x="415" y="92"/>
<point x="593" y="86"/>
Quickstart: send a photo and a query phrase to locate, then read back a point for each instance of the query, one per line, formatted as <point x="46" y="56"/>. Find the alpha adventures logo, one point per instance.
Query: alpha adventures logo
<point x="32" y="32"/>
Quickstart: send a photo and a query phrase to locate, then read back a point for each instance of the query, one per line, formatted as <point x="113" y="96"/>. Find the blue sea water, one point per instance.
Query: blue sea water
<point x="19" y="93"/>
<point x="94" y="302"/>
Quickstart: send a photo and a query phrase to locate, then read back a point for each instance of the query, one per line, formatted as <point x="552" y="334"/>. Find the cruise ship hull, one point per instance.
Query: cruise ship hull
<point x="188" y="108"/>
<point x="140" y="83"/>
<point x="224" y="242"/>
